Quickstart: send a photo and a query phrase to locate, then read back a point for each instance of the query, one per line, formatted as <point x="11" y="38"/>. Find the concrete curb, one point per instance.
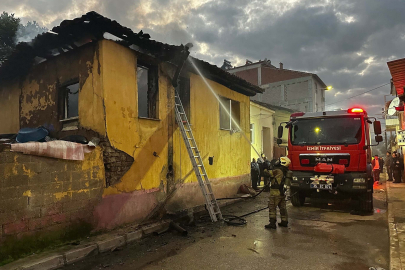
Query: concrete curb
<point x="395" y="258"/>
<point x="106" y="243"/>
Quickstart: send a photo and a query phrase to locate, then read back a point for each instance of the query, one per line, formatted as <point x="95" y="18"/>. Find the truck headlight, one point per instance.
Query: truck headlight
<point x="295" y="178"/>
<point x="359" y="180"/>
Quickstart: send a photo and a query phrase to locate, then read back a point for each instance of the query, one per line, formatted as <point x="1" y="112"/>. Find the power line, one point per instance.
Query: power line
<point x="358" y="94"/>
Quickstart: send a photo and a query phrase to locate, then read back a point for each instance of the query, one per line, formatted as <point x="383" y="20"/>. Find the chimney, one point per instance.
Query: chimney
<point x="281" y="66"/>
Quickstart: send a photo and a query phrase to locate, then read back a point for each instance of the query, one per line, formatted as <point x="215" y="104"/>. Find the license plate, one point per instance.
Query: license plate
<point x="321" y="186"/>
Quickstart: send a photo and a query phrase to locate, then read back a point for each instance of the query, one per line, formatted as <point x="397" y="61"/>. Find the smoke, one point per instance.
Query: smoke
<point x="28" y="32"/>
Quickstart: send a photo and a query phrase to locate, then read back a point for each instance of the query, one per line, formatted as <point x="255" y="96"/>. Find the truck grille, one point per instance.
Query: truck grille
<point x="310" y="160"/>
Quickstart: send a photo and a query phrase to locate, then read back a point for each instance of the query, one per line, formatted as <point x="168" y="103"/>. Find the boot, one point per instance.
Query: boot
<point x="283" y="224"/>
<point x="271" y="225"/>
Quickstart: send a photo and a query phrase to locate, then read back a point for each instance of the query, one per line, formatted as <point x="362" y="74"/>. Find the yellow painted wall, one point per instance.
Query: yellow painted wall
<point x="10" y="110"/>
<point x="137" y="137"/>
<point x="38" y="93"/>
<point x="231" y="152"/>
<point x="91" y="96"/>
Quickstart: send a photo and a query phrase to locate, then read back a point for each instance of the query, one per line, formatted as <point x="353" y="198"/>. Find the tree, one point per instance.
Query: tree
<point x="8" y="30"/>
<point x="29" y="31"/>
<point x="12" y="32"/>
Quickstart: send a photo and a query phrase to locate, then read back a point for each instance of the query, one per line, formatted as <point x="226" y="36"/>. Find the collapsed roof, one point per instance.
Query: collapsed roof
<point x="91" y="27"/>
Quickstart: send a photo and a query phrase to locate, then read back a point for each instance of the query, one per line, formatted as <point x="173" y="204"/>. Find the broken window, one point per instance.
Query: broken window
<point x="148" y="94"/>
<point x="70" y="95"/>
<point x="184" y="92"/>
<point x="229" y="107"/>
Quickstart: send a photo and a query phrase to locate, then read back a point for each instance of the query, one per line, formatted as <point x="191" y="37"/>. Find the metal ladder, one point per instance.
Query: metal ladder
<point x="196" y="160"/>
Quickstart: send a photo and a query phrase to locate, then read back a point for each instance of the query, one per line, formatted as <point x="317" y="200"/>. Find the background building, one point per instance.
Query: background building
<point x="265" y="119"/>
<point x="292" y="89"/>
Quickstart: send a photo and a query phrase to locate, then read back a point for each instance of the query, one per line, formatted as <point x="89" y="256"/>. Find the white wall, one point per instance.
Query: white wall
<point x="261" y="117"/>
<point x="299" y="93"/>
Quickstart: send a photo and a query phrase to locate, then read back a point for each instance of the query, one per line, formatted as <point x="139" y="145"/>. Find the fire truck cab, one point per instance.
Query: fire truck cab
<point x="321" y="140"/>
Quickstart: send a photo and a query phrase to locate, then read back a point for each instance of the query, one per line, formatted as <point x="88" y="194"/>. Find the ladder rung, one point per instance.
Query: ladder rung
<point x="201" y="173"/>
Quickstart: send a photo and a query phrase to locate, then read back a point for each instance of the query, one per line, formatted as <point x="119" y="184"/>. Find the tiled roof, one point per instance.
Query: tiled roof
<point x="397" y="70"/>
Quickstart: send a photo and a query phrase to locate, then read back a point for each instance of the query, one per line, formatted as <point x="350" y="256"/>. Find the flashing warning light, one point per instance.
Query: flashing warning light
<point x="355" y="110"/>
<point x="317" y="129"/>
<point x="297" y="114"/>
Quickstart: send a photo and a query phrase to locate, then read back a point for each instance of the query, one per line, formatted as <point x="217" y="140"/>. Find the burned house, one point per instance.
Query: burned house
<point x="95" y="78"/>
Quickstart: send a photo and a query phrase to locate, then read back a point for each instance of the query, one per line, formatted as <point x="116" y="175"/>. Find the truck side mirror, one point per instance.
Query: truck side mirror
<point x="378" y="138"/>
<point x="280" y="132"/>
<point x="279" y="141"/>
<point x="377" y="128"/>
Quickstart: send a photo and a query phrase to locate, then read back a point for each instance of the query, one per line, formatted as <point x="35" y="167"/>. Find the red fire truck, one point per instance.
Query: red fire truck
<point x="331" y="156"/>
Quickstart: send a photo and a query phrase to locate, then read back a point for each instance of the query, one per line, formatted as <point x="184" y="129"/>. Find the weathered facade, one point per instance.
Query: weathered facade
<point x="141" y="167"/>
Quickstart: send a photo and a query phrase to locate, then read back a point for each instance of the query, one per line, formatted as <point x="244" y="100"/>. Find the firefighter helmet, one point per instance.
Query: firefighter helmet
<point x="284" y="161"/>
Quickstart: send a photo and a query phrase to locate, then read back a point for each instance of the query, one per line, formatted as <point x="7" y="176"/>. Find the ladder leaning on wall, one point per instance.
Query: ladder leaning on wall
<point x="196" y="160"/>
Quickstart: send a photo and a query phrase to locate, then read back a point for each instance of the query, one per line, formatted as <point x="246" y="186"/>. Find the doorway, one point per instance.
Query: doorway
<point x="266" y="142"/>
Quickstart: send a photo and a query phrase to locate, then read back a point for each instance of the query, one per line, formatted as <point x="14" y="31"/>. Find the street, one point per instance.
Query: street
<point x="320" y="236"/>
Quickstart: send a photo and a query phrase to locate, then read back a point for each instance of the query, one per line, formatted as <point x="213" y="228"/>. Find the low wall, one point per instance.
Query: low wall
<point x="135" y="207"/>
<point x="40" y="194"/>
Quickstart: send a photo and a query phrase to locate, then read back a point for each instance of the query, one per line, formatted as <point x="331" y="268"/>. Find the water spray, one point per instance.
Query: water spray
<point x="222" y="105"/>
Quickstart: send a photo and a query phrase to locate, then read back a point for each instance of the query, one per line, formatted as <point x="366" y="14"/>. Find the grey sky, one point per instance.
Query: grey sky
<point x="347" y="43"/>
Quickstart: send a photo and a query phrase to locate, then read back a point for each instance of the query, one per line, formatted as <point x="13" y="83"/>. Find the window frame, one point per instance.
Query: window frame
<point x="153" y="75"/>
<point x="63" y="99"/>
<point x="231" y="127"/>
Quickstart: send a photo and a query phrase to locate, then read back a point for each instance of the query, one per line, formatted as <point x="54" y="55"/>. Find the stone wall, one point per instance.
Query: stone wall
<point x="40" y="194"/>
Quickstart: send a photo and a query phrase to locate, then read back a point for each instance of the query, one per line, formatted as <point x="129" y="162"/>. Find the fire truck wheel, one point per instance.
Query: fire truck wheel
<point x="366" y="202"/>
<point x="297" y="199"/>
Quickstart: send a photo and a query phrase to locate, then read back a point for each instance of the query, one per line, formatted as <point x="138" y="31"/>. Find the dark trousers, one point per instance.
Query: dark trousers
<point x="266" y="183"/>
<point x="376" y="173"/>
<point x="255" y="180"/>
<point x="397" y="176"/>
<point x="389" y="172"/>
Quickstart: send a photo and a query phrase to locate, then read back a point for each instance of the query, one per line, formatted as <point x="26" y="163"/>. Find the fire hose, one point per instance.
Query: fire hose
<point x="234" y="220"/>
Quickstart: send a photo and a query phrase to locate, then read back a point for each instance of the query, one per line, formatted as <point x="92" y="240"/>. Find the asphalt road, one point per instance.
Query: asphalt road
<point x="320" y="236"/>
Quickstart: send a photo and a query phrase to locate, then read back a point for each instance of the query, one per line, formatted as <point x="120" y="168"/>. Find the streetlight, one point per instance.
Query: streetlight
<point x="329" y="87"/>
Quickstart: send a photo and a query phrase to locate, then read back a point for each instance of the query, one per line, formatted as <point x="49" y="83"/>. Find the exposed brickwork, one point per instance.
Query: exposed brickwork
<point x="270" y="75"/>
<point x="116" y="163"/>
<point x="39" y="194"/>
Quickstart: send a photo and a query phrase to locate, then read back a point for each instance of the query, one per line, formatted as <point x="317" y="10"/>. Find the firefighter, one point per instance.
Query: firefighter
<point x="279" y="177"/>
<point x="254" y="173"/>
